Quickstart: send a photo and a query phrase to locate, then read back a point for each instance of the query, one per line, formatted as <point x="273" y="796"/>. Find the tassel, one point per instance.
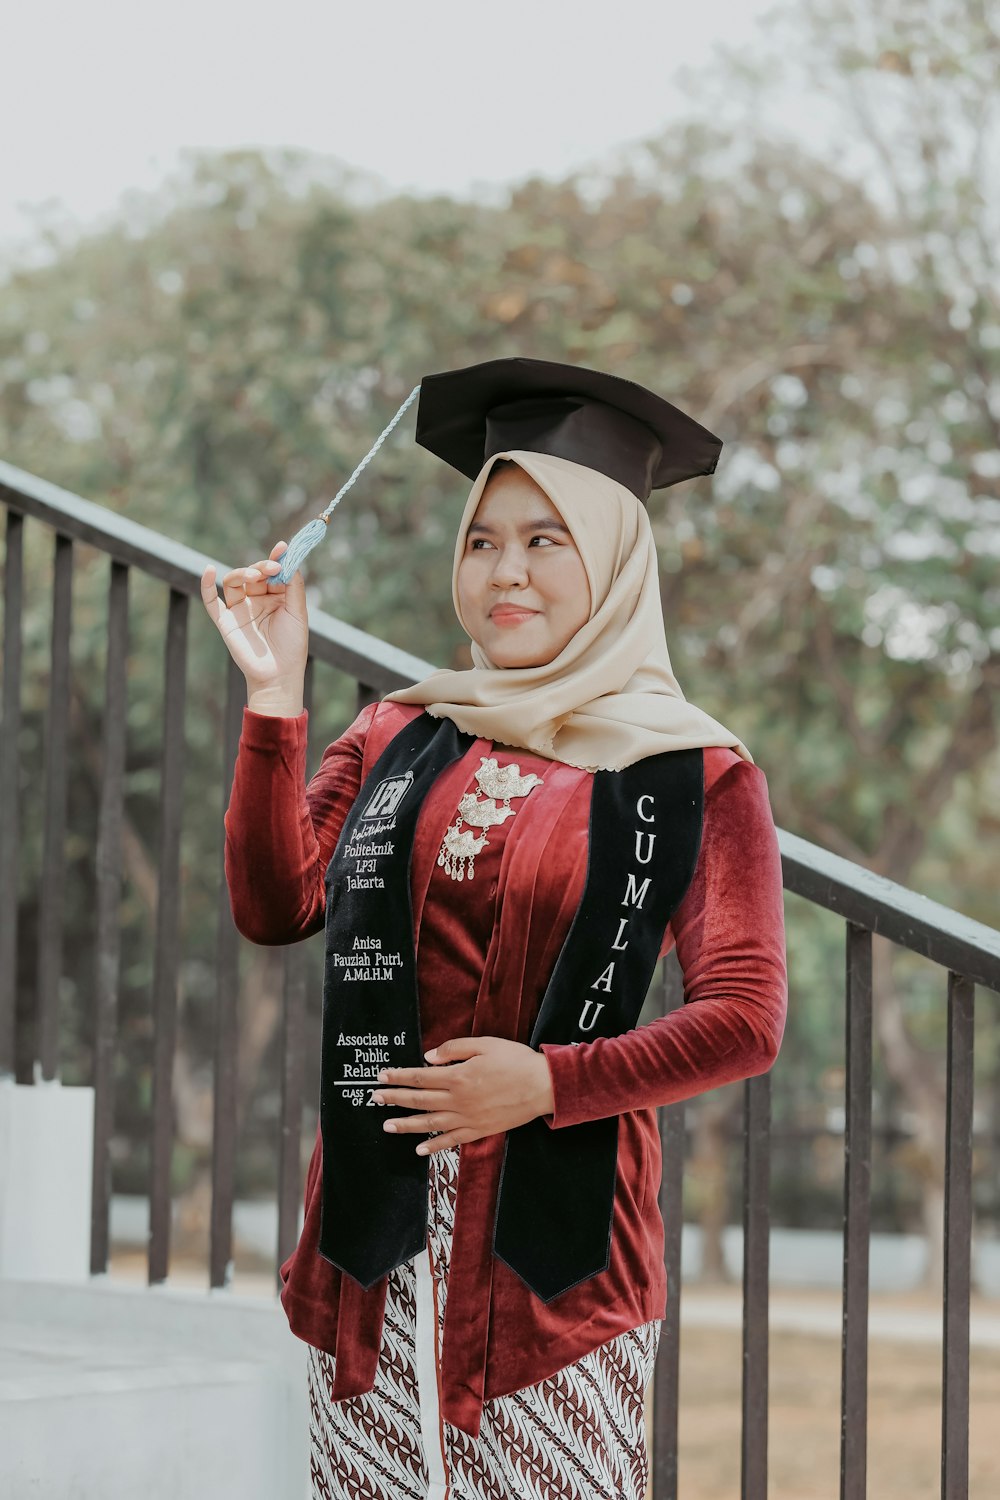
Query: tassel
<point x="313" y="532"/>
<point x="300" y="547"/>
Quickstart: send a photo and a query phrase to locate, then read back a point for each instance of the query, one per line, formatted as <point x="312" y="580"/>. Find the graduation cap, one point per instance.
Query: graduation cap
<point x="601" y="421"/>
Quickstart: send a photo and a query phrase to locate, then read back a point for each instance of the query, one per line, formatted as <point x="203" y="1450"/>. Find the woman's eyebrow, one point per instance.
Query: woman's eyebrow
<point x="544" y="523"/>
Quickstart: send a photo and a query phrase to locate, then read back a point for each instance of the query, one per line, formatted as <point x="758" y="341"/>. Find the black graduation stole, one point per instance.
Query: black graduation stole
<point x="556" y="1196"/>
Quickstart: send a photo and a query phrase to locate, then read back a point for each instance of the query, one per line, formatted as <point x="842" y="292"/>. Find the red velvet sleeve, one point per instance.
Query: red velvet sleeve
<point x="730" y="935"/>
<point x="281" y="832"/>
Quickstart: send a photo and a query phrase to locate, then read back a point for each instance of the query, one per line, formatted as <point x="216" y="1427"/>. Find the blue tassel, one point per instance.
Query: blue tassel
<point x="300" y="547"/>
<point x="313" y="532"/>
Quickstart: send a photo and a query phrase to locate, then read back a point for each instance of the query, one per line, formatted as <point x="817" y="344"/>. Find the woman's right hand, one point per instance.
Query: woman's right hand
<point x="265" y="625"/>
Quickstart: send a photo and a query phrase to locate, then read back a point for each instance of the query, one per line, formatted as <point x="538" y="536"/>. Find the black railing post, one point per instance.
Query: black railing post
<point x="756" y="1237"/>
<point x="666" y="1379"/>
<point x="957" y="1240"/>
<point x="10" y="801"/>
<point x="365" y="694"/>
<point x="54" y="775"/>
<point x="857" y="1216"/>
<point x="165" y="960"/>
<point x="109" y="885"/>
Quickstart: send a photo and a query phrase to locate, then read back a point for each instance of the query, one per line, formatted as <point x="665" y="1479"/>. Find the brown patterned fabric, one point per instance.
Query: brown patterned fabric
<point x="579" y="1435"/>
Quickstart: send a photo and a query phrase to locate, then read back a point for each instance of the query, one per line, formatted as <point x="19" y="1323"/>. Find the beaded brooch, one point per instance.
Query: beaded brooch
<point x="499" y="784"/>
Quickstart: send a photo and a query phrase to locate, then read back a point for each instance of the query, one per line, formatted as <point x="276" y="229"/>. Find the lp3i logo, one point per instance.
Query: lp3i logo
<point x="387" y="796"/>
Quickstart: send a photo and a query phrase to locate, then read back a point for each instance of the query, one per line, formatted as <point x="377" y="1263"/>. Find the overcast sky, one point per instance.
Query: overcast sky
<point x="427" y="94"/>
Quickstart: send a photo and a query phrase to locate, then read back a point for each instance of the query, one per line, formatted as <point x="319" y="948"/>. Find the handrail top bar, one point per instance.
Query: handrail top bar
<point x="858" y="895"/>
<point x="362" y="656"/>
<point x="881" y="905"/>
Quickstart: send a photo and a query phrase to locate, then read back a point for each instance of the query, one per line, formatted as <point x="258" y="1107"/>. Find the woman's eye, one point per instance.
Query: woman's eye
<point x="481" y="541"/>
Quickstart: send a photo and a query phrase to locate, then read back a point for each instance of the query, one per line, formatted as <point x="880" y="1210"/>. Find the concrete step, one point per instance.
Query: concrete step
<point x="108" y="1392"/>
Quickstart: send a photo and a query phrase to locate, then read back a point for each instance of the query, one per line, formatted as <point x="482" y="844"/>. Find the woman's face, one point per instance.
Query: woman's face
<point x="522" y="585"/>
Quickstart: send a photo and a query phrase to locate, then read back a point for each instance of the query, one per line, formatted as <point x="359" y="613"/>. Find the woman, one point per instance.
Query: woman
<point x="498" y="857"/>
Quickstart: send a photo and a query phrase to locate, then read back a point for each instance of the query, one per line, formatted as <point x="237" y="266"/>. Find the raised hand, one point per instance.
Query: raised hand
<point x="265" y="625"/>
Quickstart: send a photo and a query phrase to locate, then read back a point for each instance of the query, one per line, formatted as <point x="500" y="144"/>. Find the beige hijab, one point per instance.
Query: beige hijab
<point x="610" y="697"/>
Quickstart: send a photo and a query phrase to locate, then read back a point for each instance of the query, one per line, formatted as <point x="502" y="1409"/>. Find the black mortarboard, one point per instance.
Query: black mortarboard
<point x="602" y="421"/>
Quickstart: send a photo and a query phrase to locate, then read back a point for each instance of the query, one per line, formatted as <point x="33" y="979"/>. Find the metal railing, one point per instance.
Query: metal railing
<point x="968" y="952"/>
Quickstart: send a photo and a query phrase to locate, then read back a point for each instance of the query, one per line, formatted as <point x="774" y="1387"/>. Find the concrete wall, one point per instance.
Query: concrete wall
<point x="46" y="1148"/>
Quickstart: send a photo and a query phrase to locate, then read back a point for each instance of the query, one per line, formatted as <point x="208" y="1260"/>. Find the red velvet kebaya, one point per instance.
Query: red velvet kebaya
<point x="478" y="943"/>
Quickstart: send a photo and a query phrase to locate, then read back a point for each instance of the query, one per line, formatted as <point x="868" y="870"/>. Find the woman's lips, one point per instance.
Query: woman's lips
<point x="506" y="616"/>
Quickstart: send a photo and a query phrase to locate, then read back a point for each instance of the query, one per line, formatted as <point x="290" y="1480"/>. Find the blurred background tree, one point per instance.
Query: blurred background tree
<point x="216" y="363"/>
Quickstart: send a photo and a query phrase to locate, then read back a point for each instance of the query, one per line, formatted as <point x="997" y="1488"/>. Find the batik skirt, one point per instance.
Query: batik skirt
<point x="579" y="1435"/>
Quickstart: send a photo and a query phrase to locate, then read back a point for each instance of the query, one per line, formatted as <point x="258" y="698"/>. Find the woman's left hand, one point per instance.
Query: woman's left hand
<point x="476" y="1086"/>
